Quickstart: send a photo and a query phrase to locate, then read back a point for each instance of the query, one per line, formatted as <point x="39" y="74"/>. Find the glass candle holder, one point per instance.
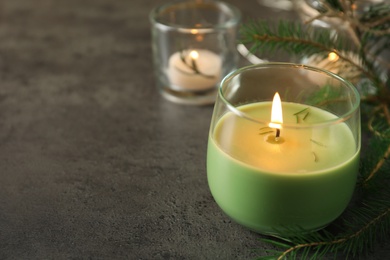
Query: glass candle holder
<point x="194" y="47"/>
<point x="281" y="167"/>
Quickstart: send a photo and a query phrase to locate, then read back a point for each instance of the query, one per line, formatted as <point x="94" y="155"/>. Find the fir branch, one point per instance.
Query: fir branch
<point x="301" y="40"/>
<point x="292" y="37"/>
<point x="379" y="164"/>
<point x="379" y="148"/>
<point x="372" y="21"/>
<point x="374" y="224"/>
<point x="376" y="19"/>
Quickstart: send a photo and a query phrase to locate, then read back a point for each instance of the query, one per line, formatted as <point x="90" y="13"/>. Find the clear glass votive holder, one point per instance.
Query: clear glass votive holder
<point x="194" y="47"/>
<point x="288" y="169"/>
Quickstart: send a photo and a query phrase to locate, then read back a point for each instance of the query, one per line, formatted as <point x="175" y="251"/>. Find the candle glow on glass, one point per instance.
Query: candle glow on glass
<point x="329" y="63"/>
<point x="335" y="64"/>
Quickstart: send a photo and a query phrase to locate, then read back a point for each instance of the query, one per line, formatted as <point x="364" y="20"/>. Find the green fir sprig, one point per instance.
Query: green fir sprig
<point x="301" y="40"/>
<point x="367" y="221"/>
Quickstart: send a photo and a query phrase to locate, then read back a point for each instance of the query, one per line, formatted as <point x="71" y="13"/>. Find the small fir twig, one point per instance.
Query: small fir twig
<point x="315" y="157"/>
<point x="325" y="245"/>
<point x="317" y="143"/>
<point x="300" y="112"/>
<point x="379" y="165"/>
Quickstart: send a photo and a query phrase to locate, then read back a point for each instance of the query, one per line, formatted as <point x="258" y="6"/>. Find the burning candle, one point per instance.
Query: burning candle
<point x="196" y="69"/>
<point x="277" y="115"/>
<point x="272" y="178"/>
<point x="334" y="64"/>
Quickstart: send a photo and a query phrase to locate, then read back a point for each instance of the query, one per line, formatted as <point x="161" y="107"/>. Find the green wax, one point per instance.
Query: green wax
<point x="306" y="181"/>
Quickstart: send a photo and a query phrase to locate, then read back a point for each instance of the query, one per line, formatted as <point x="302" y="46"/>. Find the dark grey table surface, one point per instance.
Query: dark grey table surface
<point x="95" y="164"/>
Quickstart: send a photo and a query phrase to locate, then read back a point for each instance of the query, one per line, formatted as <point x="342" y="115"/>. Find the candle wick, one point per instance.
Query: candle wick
<point x="277" y="134"/>
<point x="275" y="139"/>
<point x="194" y="66"/>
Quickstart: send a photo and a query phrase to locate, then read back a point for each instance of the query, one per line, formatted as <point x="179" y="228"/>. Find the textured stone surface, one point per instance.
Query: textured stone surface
<point x="94" y="164"/>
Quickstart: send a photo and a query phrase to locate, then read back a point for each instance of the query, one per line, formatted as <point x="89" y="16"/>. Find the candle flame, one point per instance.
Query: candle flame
<point x="194" y="55"/>
<point x="276" y="113"/>
<point x="333" y="56"/>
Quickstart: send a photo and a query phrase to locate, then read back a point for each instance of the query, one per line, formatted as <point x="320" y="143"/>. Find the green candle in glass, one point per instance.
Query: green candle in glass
<point x="292" y="171"/>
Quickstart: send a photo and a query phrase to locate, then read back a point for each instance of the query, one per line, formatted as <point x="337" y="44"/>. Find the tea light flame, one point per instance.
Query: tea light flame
<point x="194" y="55"/>
<point x="333" y="56"/>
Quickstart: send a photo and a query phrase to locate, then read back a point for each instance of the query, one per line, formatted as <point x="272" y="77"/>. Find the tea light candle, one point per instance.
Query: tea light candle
<point x="270" y="178"/>
<point x="334" y="64"/>
<point x="196" y="69"/>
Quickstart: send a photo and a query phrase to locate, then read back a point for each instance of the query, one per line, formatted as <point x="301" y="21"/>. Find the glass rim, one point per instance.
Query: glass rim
<point x="337" y="120"/>
<point x="225" y="7"/>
